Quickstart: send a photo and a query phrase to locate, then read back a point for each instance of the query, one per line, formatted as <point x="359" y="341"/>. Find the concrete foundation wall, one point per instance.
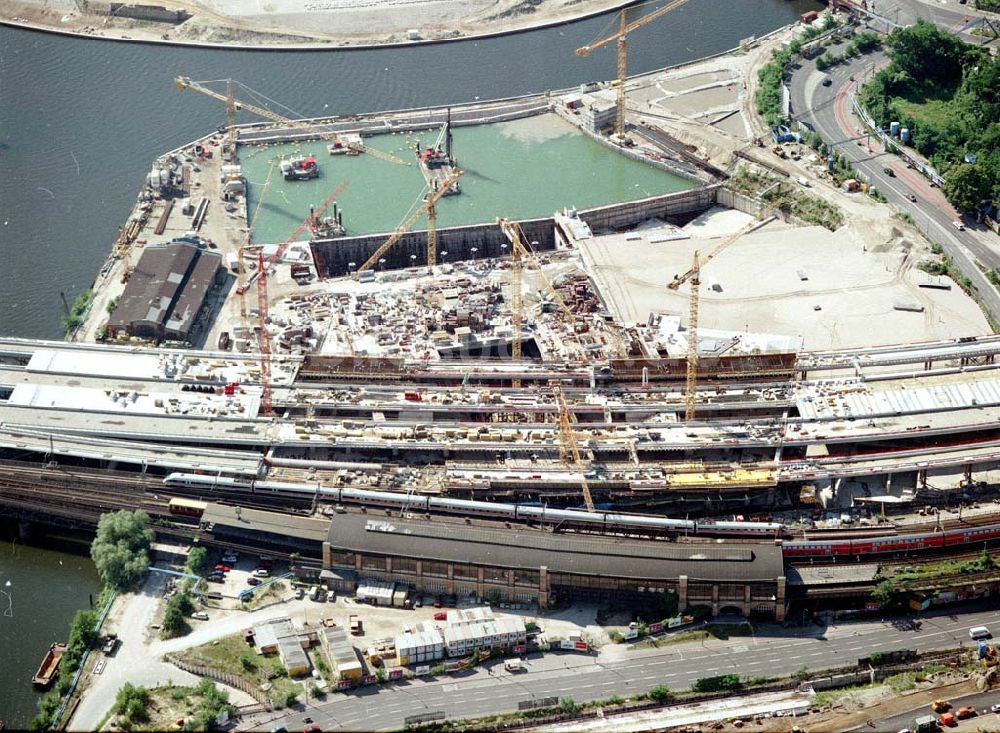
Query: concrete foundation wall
<point x="333" y="257"/>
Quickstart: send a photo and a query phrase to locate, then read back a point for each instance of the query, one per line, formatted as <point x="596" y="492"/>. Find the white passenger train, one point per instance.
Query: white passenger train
<point x="611" y="521"/>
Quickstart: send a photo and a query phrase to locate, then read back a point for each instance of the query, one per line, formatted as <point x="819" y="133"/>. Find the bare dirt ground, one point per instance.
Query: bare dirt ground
<point x="320" y="23"/>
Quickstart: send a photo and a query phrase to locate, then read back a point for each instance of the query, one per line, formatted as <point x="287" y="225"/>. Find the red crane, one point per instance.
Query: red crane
<point x="263" y="266"/>
<point x="263" y="339"/>
<point x="313" y="215"/>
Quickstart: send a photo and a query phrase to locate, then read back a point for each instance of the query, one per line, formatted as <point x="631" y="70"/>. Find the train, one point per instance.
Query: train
<point x="965" y="537"/>
<point x="607" y="521"/>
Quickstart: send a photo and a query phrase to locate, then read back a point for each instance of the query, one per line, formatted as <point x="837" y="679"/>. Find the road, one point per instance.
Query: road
<point x="773" y="651"/>
<point x="827" y="110"/>
<point x="985" y="720"/>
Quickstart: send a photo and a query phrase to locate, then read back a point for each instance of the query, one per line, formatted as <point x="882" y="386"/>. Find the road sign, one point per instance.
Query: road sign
<point x="539" y="702"/>
<point x="369" y="679"/>
<point x="424" y="718"/>
<point x="422" y="670"/>
<point x="395" y="674"/>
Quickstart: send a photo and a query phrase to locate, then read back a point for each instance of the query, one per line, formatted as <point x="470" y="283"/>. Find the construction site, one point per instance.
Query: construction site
<point x="673" y="357"/>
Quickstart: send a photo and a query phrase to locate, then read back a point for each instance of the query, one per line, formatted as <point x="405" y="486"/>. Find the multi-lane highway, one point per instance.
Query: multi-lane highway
<point x="773" y="651"/>
<point x="828" y="110"/>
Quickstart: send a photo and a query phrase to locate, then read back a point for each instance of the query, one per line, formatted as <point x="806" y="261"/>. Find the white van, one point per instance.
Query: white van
<point x="979" y="632"/>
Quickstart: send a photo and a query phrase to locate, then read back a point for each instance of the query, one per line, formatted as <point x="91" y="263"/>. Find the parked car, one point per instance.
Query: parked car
<point x="230" y="558"/>
<point x="958" y="225"/>
<point x="995" y="708"/>
<point x="418" y="602"/>
<point x="213" y="578"/>
<point x="331" y="595"/>
<point x="299" y="593"/>
<point x="223" y="568"/>
<point x="437" y="602"/>
<point x="441" y="616"/>
<point x="911" y="197"/>
<point x="966" y="712"/>
<point x="253" y="581"/>
<point x="262" y="572"/>
<point x="200" y="615"/>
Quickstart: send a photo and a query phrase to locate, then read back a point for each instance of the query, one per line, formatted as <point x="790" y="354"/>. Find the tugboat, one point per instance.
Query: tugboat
<point x="437" y="162"/>
<point x="300" y="168"/>
<point x="49" y="666"/>
<point x="327" y="227"/>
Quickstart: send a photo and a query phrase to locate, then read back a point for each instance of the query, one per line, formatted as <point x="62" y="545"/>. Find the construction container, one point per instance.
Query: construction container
<point x="894" y="129"/>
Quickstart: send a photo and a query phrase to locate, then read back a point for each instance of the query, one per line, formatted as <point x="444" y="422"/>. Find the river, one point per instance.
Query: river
<point x="81" y="121"/>
<point x="40" y="590"/>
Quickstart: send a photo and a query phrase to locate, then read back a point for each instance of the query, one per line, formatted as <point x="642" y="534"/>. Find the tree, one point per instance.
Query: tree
<point x="197" y="561"/>
<point x="121" y="548"/>
<point x="660" y="693"/>
<point x="884" y="592"/>
<point x="966" y="186"/>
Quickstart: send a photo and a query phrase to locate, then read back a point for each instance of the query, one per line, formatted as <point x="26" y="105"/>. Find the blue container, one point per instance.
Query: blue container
<point x="894" y="129"/>
<point x="904" y="135"/>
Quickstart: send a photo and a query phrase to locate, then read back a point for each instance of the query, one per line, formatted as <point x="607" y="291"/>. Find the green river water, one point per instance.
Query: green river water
<point x="522" y="169"/>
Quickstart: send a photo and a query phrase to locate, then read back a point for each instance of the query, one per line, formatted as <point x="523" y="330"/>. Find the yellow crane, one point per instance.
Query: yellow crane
<point x="681" y="279"/>
<point x="183" y="82"/>
<point x="428" y="206"/>
<point x="567" y="440"/>
<point x="622" y="37"/>
<point x="521" y="254"/>
<point x="691" y="386"/>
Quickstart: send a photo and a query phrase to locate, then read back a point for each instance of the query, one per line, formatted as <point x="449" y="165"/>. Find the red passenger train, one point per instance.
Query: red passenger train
<point x="961" y="537"/>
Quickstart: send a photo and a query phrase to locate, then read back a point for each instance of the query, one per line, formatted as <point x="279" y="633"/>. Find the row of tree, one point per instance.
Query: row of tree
<point x="947" y="92"/>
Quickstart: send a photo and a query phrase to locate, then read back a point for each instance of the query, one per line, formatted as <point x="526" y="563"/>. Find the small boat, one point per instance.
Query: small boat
<point x="49" y="666"/>
<point x="300" y="168"/>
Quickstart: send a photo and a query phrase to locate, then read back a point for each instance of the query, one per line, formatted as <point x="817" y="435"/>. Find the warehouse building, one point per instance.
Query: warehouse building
<point x="166" y="291"/>
<point x="280" y="636"/>
<point x="343" y="658"/>
<point x="423" y="645"/>
<point x="525" y="565"/>
<point x="477" y="629"/>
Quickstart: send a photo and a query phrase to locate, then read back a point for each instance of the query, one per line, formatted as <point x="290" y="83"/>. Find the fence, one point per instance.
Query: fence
<point x="83" y="662"/>
<point x="225" y="678"/>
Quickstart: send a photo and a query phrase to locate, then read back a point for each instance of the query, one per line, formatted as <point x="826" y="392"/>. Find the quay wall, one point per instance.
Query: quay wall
<point x="333" y="257"/>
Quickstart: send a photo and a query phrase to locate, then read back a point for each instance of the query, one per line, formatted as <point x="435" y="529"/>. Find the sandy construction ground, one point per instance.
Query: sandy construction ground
<point x="322" y="23"/>
<point x="838" y="289"/>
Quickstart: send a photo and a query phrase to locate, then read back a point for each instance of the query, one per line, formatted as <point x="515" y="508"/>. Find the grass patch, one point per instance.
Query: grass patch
<point x="225" y="653"/>
<point x="166" y="705"/>
<point x="937" y="112"/>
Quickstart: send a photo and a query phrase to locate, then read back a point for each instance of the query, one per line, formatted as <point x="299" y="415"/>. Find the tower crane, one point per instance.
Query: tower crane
<point x="521" y="253"/>
<point x="680" y="279"/>
<point x="263" y="340"/>
<point x="622" y="37"/>
<point x="305" y="224"/>
<point x="183" y="82"/>
<point x="567" y="440"/>
<point x="428" y="206"/>
<point x="240" y="266"/>
<point x="691" y="385"/>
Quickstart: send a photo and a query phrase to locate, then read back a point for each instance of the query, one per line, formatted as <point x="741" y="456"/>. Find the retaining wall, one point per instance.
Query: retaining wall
<point x="334" y="257"/>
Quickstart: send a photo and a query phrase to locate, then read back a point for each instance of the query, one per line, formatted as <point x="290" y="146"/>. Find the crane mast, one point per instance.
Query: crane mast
<point x="691" y="386"/>
<point x="264" y="341"/>
<point x="432" y="198"/>
<point x="567" y="439"/>
<point x="183" y="82"/>
<point x="622" y="38"/>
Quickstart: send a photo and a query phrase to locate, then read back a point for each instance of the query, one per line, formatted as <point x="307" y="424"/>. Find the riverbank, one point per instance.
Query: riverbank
<point x="287" y="25"/>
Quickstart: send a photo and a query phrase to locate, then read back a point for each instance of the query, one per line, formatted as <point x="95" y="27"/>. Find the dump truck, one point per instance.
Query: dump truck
<point x="946" y="720"/>
<point x="355" y="624"/>
<point x="940" y="706"/>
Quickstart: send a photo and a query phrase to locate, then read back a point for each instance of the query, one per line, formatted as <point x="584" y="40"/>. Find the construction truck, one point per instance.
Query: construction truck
<point x="940" y="706"/>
